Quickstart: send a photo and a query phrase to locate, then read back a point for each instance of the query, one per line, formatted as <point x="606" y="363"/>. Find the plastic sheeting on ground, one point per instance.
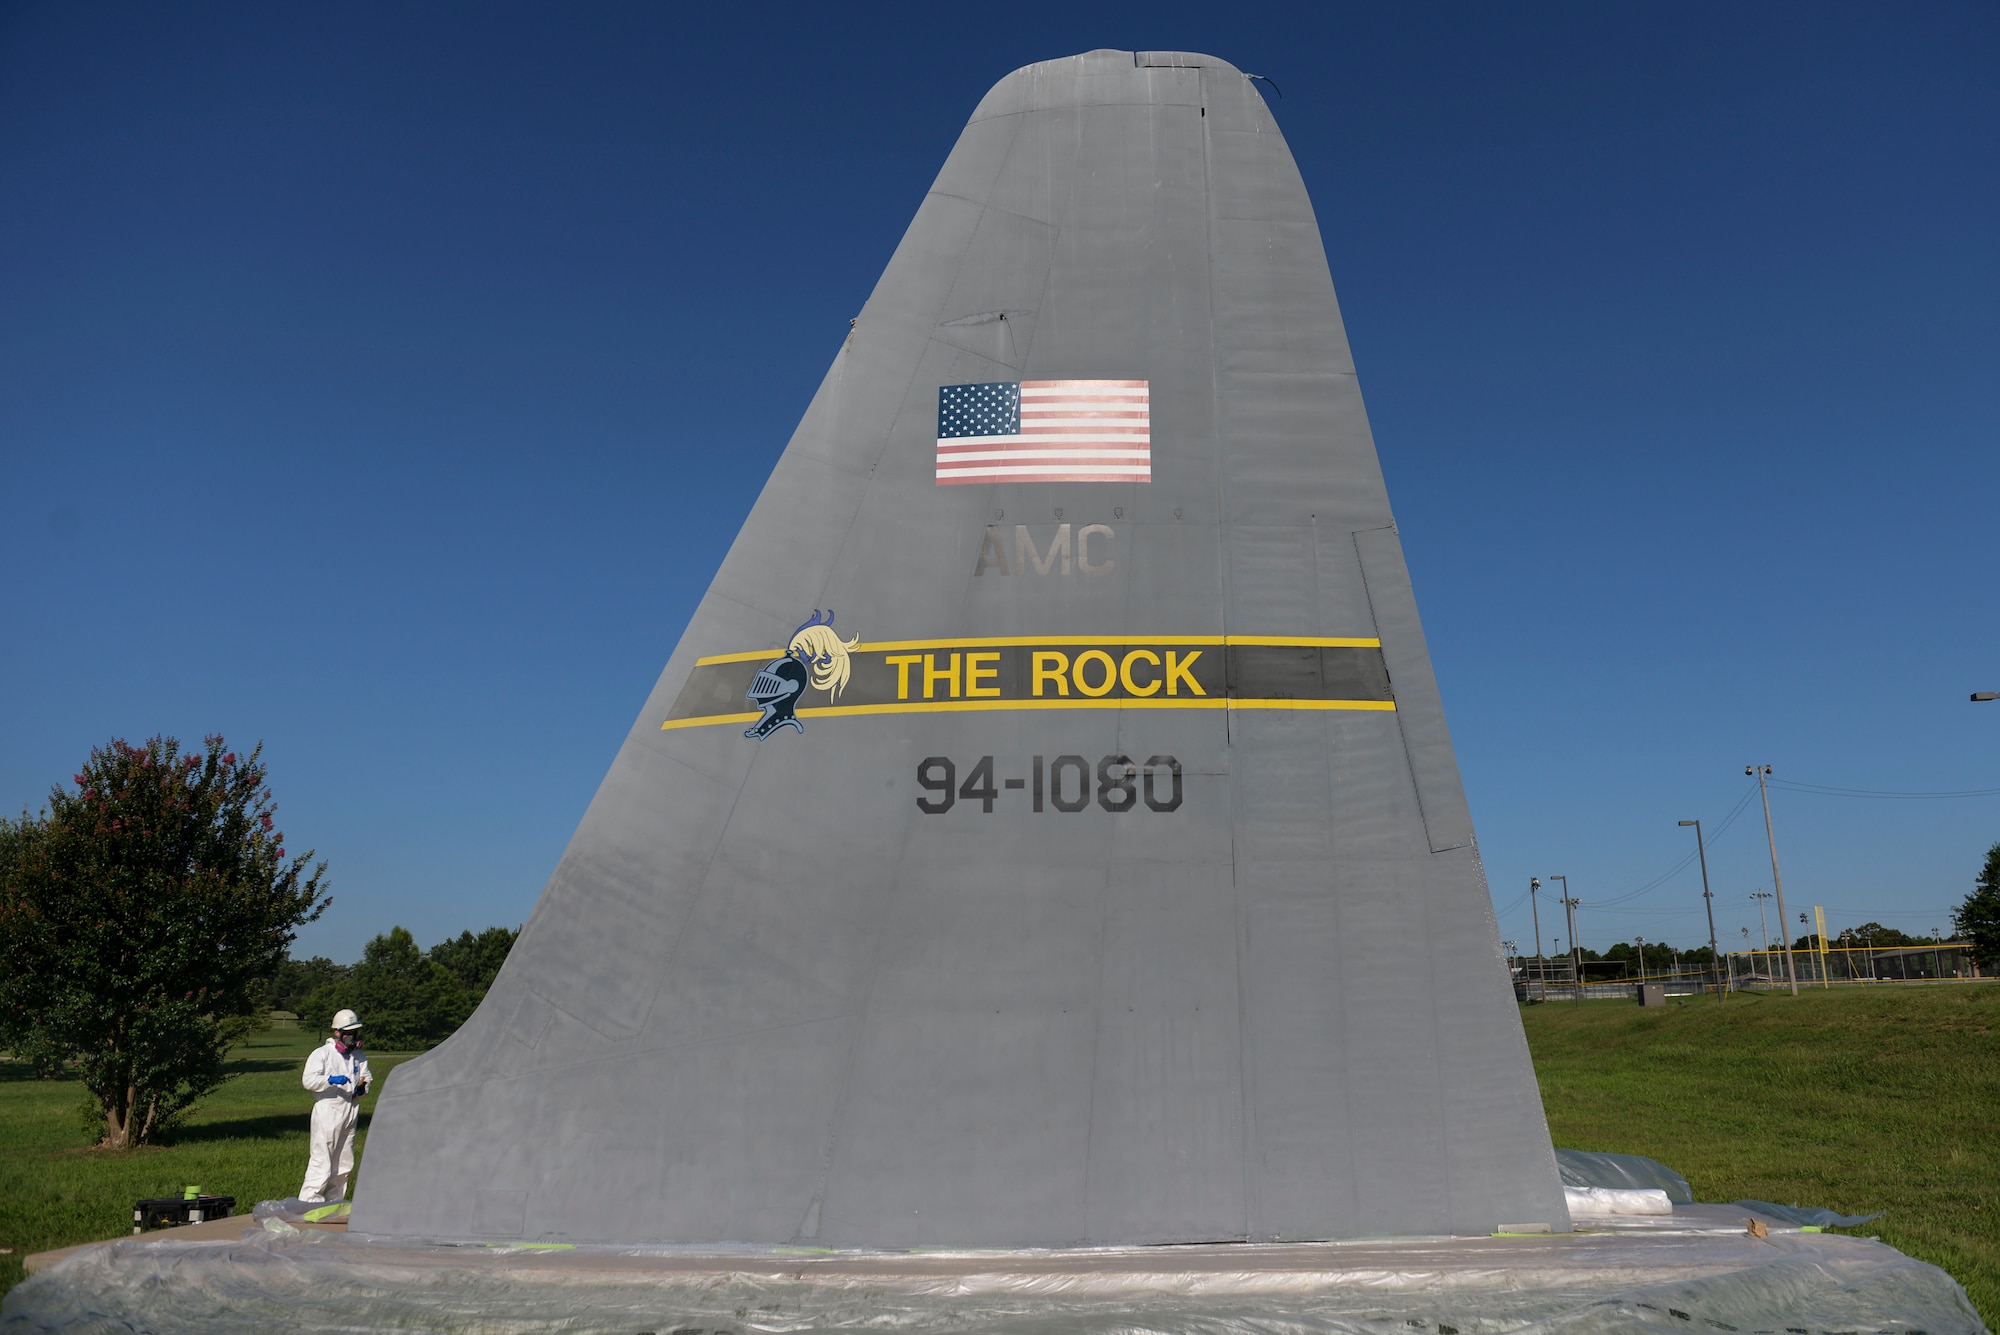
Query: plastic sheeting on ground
<point x="1616" y="1200"/>
<point x="1592" y="1168"/>
<point x="293" y="1210"/>
<point x="1809" y="1215"/>
<point x="1698" y="1271"/>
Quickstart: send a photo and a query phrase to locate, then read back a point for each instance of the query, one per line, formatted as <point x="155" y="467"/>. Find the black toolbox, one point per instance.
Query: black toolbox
<point x="173" y="1211"/>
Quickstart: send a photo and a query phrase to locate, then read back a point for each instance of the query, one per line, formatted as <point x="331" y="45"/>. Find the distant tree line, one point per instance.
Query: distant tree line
<point x="408" y="999"/>
<point x="1659" y="957"/>
<point x="1980" y="914"/>
<point x="1868" y="936"/>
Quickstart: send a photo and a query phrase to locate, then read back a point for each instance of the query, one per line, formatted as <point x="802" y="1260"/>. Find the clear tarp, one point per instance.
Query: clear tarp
<point x="1615" y="1200"/>
<point x="1630" y="1172"/>
<point x="1697" y="1270"/>
<point x="1809" y="1215"/>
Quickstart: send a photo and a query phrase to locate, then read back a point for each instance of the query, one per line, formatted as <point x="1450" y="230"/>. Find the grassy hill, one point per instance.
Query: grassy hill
<point x="1859" y="1099"/>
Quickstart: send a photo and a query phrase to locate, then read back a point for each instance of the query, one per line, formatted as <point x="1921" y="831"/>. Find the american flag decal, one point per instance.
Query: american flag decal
<point x="1044" y="431"/>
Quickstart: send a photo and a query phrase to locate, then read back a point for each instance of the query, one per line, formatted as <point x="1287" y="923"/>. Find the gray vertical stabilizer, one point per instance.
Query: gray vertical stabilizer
<point x="1046" y="831"/>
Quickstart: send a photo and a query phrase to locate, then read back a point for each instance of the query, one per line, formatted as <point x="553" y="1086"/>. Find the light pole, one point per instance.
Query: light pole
<point x="1708" y="902"/>
<point x="1978" y="696"/>
<point x="1777" y="881"/>
<point x="1763" y="927"/>
<point x="1575" y="948"/>
<point x="1640" y="942"/>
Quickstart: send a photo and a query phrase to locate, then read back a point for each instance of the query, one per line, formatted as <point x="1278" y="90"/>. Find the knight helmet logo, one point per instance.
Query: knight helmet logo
<point x="816" y="657"/>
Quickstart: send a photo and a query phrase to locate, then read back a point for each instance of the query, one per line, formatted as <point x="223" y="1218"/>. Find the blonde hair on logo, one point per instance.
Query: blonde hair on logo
<point x="824" y="653"/>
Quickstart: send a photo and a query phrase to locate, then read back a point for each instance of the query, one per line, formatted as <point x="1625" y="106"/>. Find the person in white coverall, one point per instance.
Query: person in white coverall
<point x="337" y="1076"/>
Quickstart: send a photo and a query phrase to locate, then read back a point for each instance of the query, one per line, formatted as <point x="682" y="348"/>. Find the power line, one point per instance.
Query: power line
<point x="1822" y="790"/>
<point x="1721" y="828"/>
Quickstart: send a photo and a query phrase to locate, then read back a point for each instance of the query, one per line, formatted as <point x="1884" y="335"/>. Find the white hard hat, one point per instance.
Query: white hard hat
<point x="346" y="1020"/>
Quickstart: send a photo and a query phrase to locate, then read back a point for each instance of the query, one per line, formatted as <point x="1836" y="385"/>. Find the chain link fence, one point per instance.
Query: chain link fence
<point x="1556" y="979"/>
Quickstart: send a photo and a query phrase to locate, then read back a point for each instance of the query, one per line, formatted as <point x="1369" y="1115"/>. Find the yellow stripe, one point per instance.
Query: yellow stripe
<point x="1304" y="641"/>
<point x="1031" y="702"/>
<point x="757" y="656"/>
<point x="1312" y="704"/>
<point x="992" y="706"/>
<point x="709" y="720"/>
<point x="1016" y="641"/>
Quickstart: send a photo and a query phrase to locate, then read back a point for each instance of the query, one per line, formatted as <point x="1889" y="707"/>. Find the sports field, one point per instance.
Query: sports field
<point x="1858" y="1099"/>
<point x="1865" y="1099"/>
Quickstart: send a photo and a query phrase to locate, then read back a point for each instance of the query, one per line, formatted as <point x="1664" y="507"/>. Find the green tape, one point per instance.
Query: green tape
<point x="534" y="1246"/>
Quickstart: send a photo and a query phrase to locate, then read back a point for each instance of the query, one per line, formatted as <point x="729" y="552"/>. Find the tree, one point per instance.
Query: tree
<point x="1978" y="919"/>
<point x="138" y="916"/>
<point x="295" y="980"/>
<point x="1874" y="936"/>
<point x="476" y="960"/>
<point x="24" y="1039"/>
<point x="406" y="999"/>
<point x="1658" y="956"/>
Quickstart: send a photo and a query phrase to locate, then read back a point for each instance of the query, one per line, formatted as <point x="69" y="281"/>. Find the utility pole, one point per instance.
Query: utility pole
<point x="1640" y="942"/>
<point x="1777" y="881"/>
<point x="1708" y="902"/>
<point x="1575" y="947"/>
<point x="1534" y="884"/>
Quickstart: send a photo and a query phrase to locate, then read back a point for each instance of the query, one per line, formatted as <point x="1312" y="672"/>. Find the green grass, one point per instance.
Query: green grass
<point x="1859" y="1099"/>
<point x="247" y="1140"/>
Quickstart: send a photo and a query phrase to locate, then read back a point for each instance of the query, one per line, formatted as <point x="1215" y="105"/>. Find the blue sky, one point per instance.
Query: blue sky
<point x="384" y="382"/>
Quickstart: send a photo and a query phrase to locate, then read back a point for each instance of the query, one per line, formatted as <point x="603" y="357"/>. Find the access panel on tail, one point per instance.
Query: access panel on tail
<point x="1046" y="831"/>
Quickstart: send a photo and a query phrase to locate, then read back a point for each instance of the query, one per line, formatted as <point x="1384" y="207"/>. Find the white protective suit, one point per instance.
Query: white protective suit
<point x="336" y="1109"/>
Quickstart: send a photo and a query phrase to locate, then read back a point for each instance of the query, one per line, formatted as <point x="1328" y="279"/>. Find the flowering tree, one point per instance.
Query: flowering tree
<point x="138" y="915"/>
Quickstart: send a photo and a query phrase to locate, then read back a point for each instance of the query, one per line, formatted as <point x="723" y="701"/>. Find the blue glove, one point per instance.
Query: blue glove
<point x="336" y="1080"/>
